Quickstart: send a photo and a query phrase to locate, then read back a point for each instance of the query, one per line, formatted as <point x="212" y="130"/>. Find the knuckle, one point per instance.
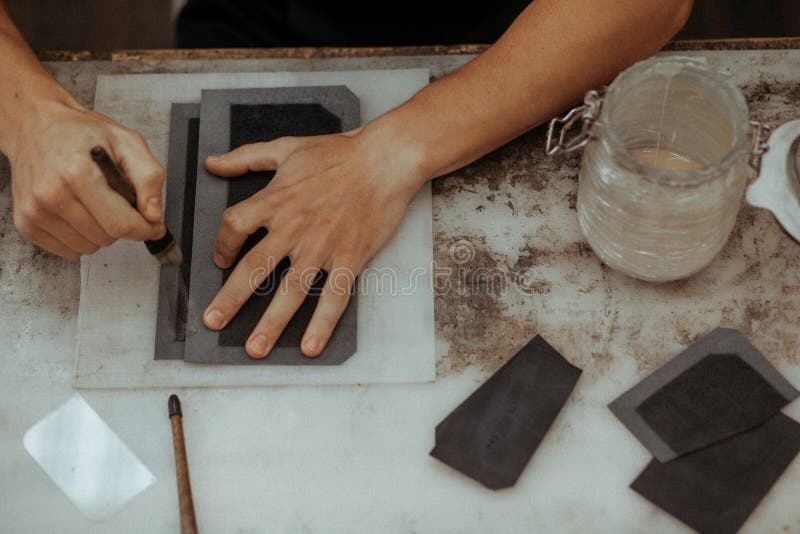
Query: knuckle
<point x="157" y="234"/>
<point x="74" y="178"/>
<point x="74" y="169"/>
<point x="326" y="321"/>
<point x="349" y="264"/>
<point x="348" y="253"/>
<point x="347" y="257"/>
<point x="30" y="210"/>
<point x="232" y="219"/>
<point x="285" y="140"/>
<point x="225" y="304"/>
<point x="119" y="229"/>
<point x="255" y="259"/>
<point x="341" y="281"/>
<point x="225" y="249"/>
<point x="47" y="195"/>
<point x="242" y="149"/>
<point x="156" y="178"/>
<point x="23" y="225"/>
<point x="294" y="281"/>
<point x="90" y="248"/>
<point x="269" y="326"/>
<point x="308" y="277"/>
<point x="134" y="136"/>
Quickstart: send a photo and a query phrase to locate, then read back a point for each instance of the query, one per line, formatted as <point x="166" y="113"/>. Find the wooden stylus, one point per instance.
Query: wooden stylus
<point x="185" y="504"/>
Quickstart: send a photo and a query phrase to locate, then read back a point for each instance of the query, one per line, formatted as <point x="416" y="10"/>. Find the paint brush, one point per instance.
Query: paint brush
<point x="166" y="250"/>
<point x="185" y="503"/>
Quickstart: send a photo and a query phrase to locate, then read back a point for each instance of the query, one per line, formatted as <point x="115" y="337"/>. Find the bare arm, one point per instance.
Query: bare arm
<point x="550" y="56"/>
<point x="61" y="201"/>
<point x="24" y="81"/>
<point x="554" y="52"/>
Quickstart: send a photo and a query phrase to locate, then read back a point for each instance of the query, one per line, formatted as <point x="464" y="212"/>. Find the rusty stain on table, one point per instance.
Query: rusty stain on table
<point x="510" y="259"/>
<point x="753" y="285"/>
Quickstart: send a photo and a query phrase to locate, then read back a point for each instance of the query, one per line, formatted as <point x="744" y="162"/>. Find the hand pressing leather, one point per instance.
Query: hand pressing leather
<point x="333" y="203"/>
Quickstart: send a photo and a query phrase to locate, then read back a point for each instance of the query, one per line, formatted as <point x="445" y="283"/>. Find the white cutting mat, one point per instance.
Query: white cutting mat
<point x="119" y="285"/>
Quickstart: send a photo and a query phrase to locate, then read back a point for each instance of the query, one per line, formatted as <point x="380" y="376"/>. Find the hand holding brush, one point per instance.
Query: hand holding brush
<point x="166" y="250"/>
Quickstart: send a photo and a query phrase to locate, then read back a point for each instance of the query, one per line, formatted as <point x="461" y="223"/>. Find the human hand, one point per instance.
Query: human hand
<point x="61" y="199"/>
<point x="332" y="204"/>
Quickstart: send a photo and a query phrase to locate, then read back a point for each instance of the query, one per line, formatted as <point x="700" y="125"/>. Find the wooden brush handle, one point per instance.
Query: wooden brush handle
<point x="119" y="183"/>
<point x="185" y="502"/>
<point x="116" y="180"/>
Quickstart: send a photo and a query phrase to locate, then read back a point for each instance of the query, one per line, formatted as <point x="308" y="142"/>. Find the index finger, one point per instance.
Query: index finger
<point x="265" y="156"/>
<point x="238" y="222"/>
<point x="117" y="218"/>
<point x="145" y="174"/>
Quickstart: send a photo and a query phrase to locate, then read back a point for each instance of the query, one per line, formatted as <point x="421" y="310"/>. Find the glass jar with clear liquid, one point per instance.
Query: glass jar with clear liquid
<point x="664" y="168"/>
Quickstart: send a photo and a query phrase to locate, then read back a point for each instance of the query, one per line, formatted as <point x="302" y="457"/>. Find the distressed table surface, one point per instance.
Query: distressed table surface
<point x="510" y="263"/>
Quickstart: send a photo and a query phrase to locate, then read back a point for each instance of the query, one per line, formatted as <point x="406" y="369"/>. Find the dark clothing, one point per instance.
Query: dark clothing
<point x="290" y="23"/>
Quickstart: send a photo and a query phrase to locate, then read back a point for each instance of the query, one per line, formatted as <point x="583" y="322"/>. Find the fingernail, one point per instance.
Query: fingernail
<point x="154" y="207"/>
<point x="259" y="345"/>
<point x="214" y="319"/>
<point x="216" y="156"/>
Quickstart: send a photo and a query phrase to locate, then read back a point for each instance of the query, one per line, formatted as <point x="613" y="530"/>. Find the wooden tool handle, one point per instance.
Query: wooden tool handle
<point x="185" y="502"/>
<point x="116" y="180"/>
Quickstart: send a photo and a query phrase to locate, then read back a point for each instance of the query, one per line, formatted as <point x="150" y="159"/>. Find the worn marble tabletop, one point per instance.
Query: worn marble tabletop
<point x="510" y="263"/>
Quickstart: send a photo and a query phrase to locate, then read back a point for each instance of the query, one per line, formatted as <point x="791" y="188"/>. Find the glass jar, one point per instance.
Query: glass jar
<point x="664" y="168"/>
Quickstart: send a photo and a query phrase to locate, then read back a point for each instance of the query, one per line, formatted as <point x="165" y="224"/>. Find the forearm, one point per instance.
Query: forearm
<point x="25" y="84"/>
<point x="552" y="54"/>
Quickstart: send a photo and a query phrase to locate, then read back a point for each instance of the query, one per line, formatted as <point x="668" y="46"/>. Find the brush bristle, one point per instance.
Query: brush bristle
<point x="171" y="255"/>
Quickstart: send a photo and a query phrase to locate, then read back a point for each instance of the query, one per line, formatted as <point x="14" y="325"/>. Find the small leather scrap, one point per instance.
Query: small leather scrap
<point x="492" y="435"/>
<point x="714" y="490"/>
<point x="717" y="388"/>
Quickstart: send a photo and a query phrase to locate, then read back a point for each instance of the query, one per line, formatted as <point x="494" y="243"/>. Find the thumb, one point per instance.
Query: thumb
<point x="145" y="173"/>
<point x="254" y="157"/>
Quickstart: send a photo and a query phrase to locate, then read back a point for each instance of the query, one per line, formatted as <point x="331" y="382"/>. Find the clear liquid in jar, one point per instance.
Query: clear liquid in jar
<point x="665" y="159"/>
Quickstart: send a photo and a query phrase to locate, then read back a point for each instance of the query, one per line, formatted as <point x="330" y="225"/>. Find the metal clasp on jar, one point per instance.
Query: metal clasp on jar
<point x="586" y="113"/>
<point x="761" y="133"/>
